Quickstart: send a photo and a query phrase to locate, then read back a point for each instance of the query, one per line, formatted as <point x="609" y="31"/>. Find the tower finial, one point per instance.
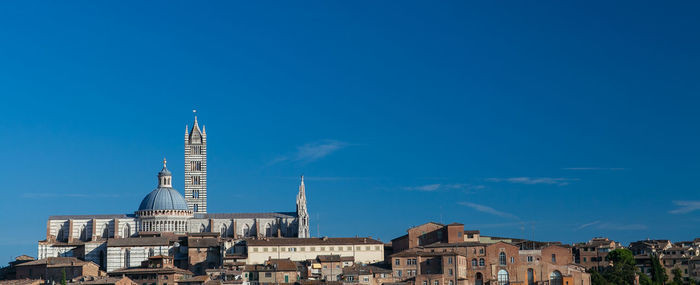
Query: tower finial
<point x="164" y="162"/>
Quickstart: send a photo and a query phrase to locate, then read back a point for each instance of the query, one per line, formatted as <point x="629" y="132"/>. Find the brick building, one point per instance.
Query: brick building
<point x="51" y="269"/>
<point x="592" y="254"/>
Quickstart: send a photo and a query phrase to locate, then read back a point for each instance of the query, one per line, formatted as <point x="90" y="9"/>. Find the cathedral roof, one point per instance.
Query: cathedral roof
<point x="163" y="198"/>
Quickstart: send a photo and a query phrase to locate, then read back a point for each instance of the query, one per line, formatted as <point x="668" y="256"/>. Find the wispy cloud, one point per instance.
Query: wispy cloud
<point x="439" y="187"/>
<point x="611" y="226"/>
<point x="594" y="168"/>
<point x="685" y="207"/>
<point x="586" y="225"/>
<point x="66" y="195"/>
<point x="621" y="227"/>
<point x="312" y="151"/>
<point x="488" y="210"/>
<point x="559" y="181"/>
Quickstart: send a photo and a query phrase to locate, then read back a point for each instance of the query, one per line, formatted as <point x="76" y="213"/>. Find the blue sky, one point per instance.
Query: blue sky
<point x="555" y="121"/>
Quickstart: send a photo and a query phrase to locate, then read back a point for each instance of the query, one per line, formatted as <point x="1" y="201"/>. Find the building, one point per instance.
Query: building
<point x="327" y="267"/>
<point x="165" y="211"/>
<point x="361" y="249"/>
<point x="644" y="250"/>
<point x="592" y="254"/>
<point x="273" y="271"/>
<point x="104" y="280"/>
<point x="52" y="269"/>
<point x="9" y="272"/>
<point x="367" y="275"/>
<point x="479" y="260"/>
<point x="158" y="270"/>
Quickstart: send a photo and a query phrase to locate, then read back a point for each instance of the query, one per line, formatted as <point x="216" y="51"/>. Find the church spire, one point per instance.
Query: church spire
<point x="302" y="212"/>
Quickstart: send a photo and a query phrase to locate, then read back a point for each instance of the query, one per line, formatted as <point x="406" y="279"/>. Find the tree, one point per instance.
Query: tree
<point x="597" y="278"/>
<point x="623" y="271"/>
<point x="658" y="273"/>
<point x="644" y="279"/>
<point x="677" y="276"/>
<point x="63" y="279"/>
<point x="621" y="255"/>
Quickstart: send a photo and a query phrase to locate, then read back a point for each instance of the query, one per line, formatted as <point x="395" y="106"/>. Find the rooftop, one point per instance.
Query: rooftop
<point x="312" y="241"/>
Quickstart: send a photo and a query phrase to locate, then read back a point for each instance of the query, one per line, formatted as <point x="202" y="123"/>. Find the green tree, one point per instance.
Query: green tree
<point x="677" y="277"/>
<point x="63" y="279"/>
<point x="597" y="278"/>
<point x="658" y="273"/>
<point x="623" y="271"/>
<point x="644" y="279"/>
<point x="621" y="255"/>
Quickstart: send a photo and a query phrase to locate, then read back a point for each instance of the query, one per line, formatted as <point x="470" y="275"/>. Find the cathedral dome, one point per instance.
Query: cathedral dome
<point x="163" y="198"/>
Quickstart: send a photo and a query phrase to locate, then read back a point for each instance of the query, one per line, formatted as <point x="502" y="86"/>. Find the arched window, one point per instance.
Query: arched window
<point x="196" y="208"/>
<point x="474" y="262"/>
<point x="151" y="252"/>
<point x="246" y="230"/>
<point x="502" y="258"/>
<point x="482" y="262"/>
<point x="555" y="278"/>
<point x="479" y="279"/>
<point x="59" y="236"/>
<point x="105" y="231"/>
<point x="127" y="231"/>
<point x="127" y="257"/>
<point x="83" y="233"/>
<point x="268" y="230"/>
<point x="530" y="276"/>
<point x="502" y="277"/>
<point x="223" y="231"/>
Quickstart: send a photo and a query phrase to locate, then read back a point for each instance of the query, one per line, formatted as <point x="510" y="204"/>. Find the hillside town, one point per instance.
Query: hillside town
<point x="171" y="239"/>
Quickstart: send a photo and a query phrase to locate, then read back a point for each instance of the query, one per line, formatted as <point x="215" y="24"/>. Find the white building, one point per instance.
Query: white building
<point x="165" y="210"/>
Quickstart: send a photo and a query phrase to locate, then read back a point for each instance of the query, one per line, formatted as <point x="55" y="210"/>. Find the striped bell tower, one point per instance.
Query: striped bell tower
<point x="196" y="167"/>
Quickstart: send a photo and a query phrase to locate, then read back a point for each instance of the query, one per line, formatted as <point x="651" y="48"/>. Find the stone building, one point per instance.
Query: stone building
<point x="165" y="211"/>
<point x="592" y="254"/>
<point x="52" y="269"/>
<point x="157" y="269"/>
<point x="362" y="250"/>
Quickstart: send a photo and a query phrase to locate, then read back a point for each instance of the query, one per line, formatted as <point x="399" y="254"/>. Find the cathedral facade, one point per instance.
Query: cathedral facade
<point x="105" y="239"/>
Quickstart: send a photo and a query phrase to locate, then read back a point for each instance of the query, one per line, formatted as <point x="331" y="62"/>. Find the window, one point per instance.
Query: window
<point x="482" y="262"/>
<point x="196" y="208"/>
<point x="398" y="272"/>
<point x="449" y="271"/>
<point x="425" y="282"/>
<point x="529" y="258"/>
<point x="554" y="258"/>
<point x="366" y="279"/>
<point x="291" y="249"/>
<point x="452" y="282"/>
<point x="481" y="250"/>
<point x="397" y="261"/>
<point x="502" y="258"/>
<point x="268" y="274"/>
<point x="449" y="260"/>
<point x="512" y="259"/>
<point x="584" y="259"/>
<point x="502" y="277"/>
<point x="473" y="261"/>
<point x="555" y="278"/>
<point x="437" y="282"/>
<point x="352" y="278"/>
